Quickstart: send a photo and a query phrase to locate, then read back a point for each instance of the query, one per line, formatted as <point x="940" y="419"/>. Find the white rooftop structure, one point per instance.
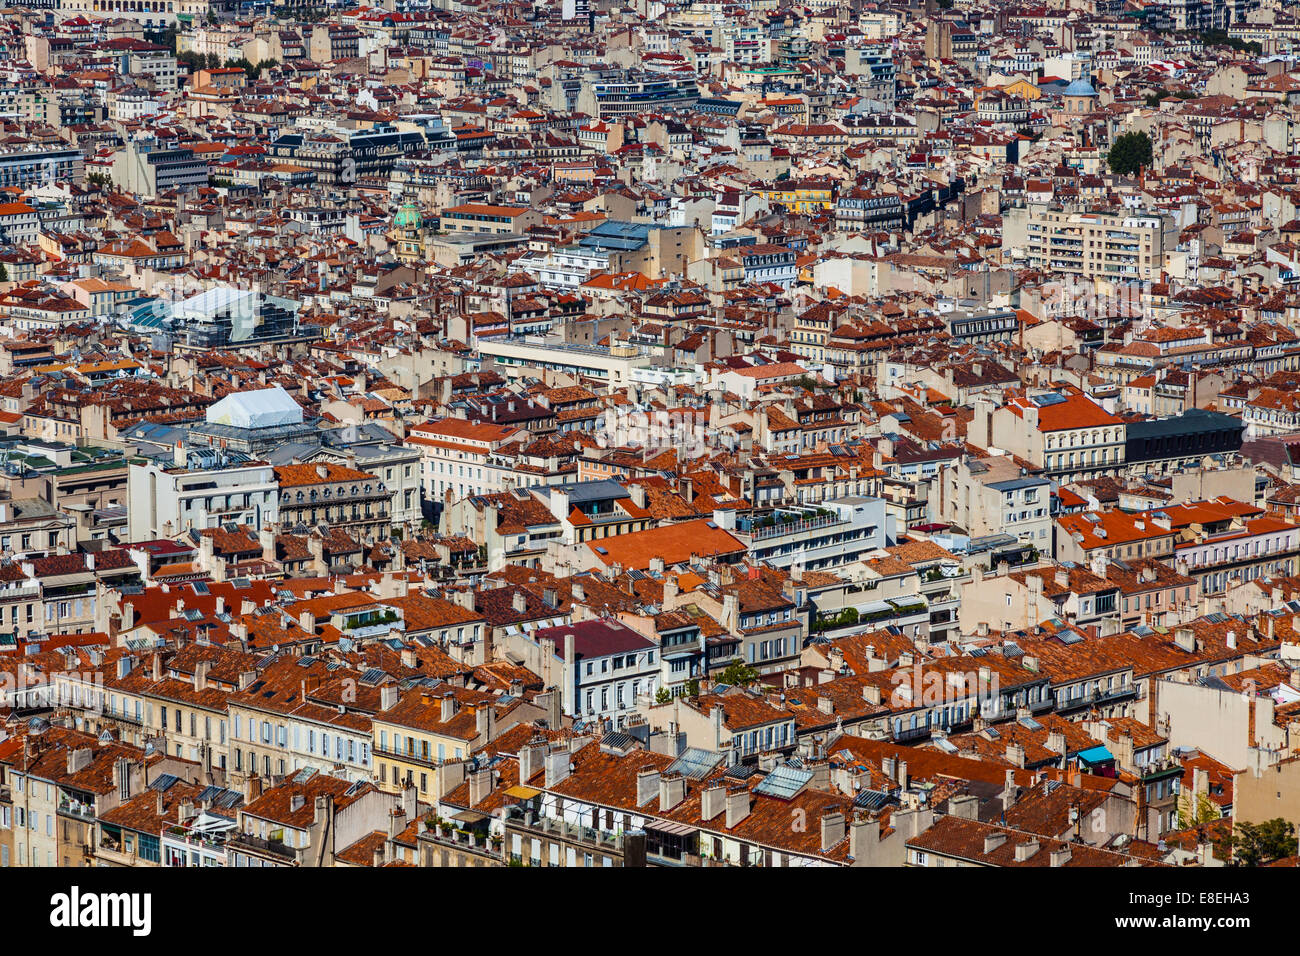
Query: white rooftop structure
<point x="259" y="408"/>
<point x="216" y="300"/>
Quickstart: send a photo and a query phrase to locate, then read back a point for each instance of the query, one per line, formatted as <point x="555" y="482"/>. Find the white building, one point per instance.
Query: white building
<point x="459" y="458"/>
<point x="601" y="665"/>
<point x="204" y="489"/>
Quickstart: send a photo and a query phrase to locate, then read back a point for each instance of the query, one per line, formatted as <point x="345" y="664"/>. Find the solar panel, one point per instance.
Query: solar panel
<point x="695" y="763"/>
<point x="871" y="800"/>
<point x="783" y="782"/>
<point x="164" y="782"/>
<point x="221" y="798"/>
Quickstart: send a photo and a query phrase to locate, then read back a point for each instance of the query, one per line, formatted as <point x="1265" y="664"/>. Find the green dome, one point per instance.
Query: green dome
<point x="408" y="217"/>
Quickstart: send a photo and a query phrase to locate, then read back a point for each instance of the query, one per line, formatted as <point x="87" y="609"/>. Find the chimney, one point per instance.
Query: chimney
<point x="1015" y="754"/>
<point x="832" y="829"/>
<point x="201" y="675"/>
<point x="388" y="697"/>
<point x="672" y="791"/>
<point x="647" y="785"/>
<point x="78" y="759"/>
<point x="737" y="806"/>
<point x="1009" y="791"/>
<point x="480" y="785"/>
<point x="1061" y="856"/>
<point x="863" y="835"/>
<point x="992" y="841"/>
<point x="485" y="722"/>
<point x="1026" y="850"/>
<point x="712" y="802"/>
<point x="448" y="707"/>
<point x="557" y="765"/>
<point x="530" y="760"/>
<point x="965" y="807"/>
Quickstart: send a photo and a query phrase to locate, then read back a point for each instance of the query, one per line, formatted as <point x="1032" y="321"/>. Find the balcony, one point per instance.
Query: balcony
<point x="75" y="808"/>
<point x="520" y="817"/>
<point x="1096" y="696"/>
<point x="446" y="834"/>
<point x="249" y="843"/>
<point x="381" y="629"/>
<point x="901" y="734"/>
<point x="785" y="527"/>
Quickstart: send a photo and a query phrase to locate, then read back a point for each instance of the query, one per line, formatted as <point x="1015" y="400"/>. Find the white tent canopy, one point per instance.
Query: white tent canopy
<point x="259" y="408"/>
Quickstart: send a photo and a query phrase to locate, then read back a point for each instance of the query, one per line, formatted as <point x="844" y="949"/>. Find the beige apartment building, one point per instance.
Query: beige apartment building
<point x="1117" y="246"/>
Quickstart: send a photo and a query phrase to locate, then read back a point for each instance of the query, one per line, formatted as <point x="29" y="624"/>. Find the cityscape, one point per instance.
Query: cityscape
<point x="650" y="434"/>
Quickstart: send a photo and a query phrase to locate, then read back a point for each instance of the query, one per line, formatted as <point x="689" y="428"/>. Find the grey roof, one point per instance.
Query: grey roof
<point x="1014" y="484"/>
<point x="584" y="491"/>
<point x="1193" y="420"/>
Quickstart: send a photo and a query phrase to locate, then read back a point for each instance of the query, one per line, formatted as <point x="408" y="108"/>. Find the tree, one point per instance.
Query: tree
<point x="1195" y="810"/>
<point x="738" y="673"/>
<point x="692" y="688"/>
<point x="1131" y="152"/>
<point x="1257" y="843"/>
<point x="4" y="273"/>
<point x="662" y="696"/>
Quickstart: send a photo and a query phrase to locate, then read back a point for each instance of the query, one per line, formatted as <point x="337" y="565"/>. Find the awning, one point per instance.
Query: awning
<point x="469" y="816"/>
<point x="669" y="827"/>
<point x="520" y="792"/>
<point x="1096" y="755"/>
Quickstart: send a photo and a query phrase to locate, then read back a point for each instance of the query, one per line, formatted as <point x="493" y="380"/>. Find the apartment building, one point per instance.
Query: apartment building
<point x="203" y="489"/>
<point x="1064" y="432"/>
<point x="1116" y="246"/>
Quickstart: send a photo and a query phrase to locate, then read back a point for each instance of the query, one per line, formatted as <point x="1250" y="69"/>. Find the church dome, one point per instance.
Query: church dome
<point x="408" y="217"/>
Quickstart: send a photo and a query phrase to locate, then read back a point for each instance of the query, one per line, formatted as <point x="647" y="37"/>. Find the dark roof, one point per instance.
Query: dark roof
<point x="595" y="638"/>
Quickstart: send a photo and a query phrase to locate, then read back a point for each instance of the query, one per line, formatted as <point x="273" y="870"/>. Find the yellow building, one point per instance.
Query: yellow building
<point x="1023" y="89"/>
<point x="408" y="234"/>
<point x="806" y="196"/>
<point x="428" y="727"/>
